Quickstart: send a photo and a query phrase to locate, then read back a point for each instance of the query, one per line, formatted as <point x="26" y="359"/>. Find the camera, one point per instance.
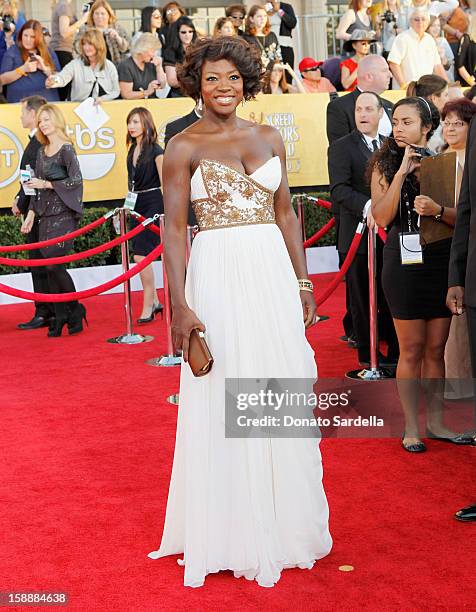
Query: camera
<point x="7" y="23"/>
<point x="423" y="151"/>
<point x="268" y="7"/>
<point x="87" y="7"/>
<point x="389" y="17"/>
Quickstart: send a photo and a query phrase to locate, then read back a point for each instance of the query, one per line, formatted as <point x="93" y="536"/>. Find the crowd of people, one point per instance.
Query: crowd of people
<point x="374" y="172"/>
<point x="77" y="56"/>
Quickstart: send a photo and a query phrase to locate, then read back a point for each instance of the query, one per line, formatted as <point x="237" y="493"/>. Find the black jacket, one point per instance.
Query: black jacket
<point x="288" y="20"/>
<point x="462" y="270"/>
<point x="347" y="161"/>
<point x="175" y="127"/>
<point x="28" y="158"/>
<point x="341" y="115"/>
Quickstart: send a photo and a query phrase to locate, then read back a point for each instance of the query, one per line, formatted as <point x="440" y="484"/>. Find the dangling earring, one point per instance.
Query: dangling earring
<point x="200" y="104"/>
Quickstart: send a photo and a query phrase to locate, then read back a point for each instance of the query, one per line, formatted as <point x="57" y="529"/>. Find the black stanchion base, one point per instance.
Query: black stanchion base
<point x="371" y="374"/>
<point x="130" y="339"/>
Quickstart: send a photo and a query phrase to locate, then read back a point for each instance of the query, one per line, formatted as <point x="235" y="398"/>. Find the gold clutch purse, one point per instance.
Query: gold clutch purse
<point x="199" y="357"/>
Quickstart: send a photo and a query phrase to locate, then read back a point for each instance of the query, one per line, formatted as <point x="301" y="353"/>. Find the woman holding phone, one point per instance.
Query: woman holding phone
<point x="27" y="65"/>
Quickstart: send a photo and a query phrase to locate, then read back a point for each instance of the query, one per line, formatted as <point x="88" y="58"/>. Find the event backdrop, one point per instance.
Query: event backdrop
<point x="301" y="119"/>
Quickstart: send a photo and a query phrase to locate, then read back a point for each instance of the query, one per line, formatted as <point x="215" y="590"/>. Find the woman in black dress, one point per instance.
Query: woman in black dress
<point x="144" y="170"/>
<point x="59" y="206"/>
<point x="415" y="292"/>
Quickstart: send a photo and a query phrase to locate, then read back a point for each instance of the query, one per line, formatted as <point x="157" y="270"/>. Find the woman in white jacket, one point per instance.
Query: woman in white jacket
<point x="90" y="74"/>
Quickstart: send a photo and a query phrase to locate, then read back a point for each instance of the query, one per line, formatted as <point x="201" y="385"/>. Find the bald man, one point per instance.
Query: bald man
<point x="373" y="75"/>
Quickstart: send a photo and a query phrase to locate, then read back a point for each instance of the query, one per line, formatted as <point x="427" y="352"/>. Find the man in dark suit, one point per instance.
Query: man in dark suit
<point x="373" y="75"/>
<point x="462" y="270"/>
<point x="350" y="194"/>
<point x="175" y="127"/>
<point x="43" y="311"/>
<point x="179" y="125"/>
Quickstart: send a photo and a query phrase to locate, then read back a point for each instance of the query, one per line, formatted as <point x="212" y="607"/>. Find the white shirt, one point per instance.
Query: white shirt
<point x="416" y="56"/>
<point x="368" y="142"/>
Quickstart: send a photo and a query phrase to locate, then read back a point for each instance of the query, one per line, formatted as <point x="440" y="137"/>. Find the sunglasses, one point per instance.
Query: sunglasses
<point x="186" y="32"/>
<point x="312" y="69"/>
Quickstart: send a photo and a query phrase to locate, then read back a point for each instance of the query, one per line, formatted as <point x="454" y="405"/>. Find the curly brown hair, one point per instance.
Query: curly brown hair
<point x="389" y="157"/>
<point x="244" y="56"/>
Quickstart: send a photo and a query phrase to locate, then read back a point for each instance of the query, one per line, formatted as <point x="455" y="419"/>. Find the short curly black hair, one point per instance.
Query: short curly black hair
<point x="244" y="56"/>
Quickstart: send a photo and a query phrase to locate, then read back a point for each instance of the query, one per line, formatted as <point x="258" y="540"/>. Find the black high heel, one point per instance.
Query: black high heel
<point x="75" y="319"/>
<point x="155" y="309"/>
<point x="56" y="328"/>
<point x="159" y="308"/>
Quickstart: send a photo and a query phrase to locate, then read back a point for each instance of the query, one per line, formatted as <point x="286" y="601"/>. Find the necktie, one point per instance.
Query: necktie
<point x="374" y="145"/>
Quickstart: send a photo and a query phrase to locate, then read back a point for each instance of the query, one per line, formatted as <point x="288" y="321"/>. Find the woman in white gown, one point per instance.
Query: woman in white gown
<point x="250" y="505"/>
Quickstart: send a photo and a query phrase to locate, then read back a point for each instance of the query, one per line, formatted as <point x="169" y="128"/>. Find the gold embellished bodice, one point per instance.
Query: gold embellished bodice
<point x="233" y="198"/>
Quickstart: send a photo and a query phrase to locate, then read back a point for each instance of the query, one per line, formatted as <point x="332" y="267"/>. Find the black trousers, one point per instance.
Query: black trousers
<point x="288" y="58"/>
<point x="39" y="275"/>
<point x="358" y="284"/>
<point x="471" y="318"/>
<point x="347" y="319"/>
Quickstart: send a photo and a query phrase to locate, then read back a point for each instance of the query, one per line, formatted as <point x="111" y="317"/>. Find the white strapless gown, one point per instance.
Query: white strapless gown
<point x="253" y="506"/>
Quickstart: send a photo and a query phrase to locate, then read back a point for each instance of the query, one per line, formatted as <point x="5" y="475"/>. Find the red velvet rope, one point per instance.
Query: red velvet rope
<point x="345" y="266"/>
<point x="74" y="256"/>
<point x="154" y="228"/>
<point x="37" y="245"/>
<point x="80" y="295"/>
<point x="318" y="235"/>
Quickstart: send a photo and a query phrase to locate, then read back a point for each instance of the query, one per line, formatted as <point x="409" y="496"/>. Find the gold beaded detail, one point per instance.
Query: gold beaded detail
<point x="219" y="209"/>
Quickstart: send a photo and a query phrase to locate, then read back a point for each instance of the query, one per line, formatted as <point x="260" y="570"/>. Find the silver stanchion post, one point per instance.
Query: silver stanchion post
<point x="170" y="358"/>
<point x="129" y="337"/>
<point x="374" y="372"/>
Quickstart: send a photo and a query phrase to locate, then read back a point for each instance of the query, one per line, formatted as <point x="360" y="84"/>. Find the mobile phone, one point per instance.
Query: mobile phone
<point x="31" y="57"/>
<point x="86" y="7"/>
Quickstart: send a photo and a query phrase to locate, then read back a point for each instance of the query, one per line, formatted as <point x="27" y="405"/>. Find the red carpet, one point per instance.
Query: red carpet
<point x="86" y="449"/>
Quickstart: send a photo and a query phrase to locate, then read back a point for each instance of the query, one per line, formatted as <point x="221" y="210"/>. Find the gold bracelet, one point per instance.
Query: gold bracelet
<point x="305" y="284"/>
<point x="306" y="289"/>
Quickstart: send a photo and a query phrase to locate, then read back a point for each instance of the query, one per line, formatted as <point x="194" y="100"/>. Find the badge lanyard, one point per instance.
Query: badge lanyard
<point x="410" y="248"/>
<point x="131" y="198"/>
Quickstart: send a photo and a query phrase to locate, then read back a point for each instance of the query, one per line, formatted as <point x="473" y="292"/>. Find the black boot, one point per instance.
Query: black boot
<point x="76" y="315"/>
<point x="59" y="321"/>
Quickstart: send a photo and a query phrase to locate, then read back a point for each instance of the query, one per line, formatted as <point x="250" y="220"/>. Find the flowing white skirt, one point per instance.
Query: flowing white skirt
<point x="254" y="506"/>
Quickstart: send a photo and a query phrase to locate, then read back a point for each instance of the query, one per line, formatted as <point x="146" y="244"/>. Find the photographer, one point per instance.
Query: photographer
<point x="11" y="21"/>
<point x="414" y="276"/>
<point x="390" y="22"/>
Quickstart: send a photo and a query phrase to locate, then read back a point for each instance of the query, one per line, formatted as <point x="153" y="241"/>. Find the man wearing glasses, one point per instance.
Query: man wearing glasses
<point x="312" y="78"/>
